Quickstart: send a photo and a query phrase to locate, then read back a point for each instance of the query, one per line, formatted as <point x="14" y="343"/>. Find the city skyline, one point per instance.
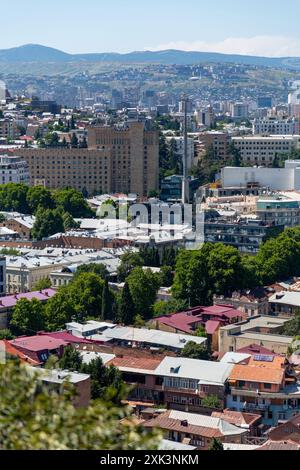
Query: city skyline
<point x="123" y="27"/>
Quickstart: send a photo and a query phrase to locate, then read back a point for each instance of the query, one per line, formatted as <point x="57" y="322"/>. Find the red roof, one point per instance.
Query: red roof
<point x="37" y="343"/>
<point x="66" y="337"/>
<point x="255" y="349"/>
<point x="12" y="351"/>
<point x="186" y="321"/>
<point x="212" y="326"/>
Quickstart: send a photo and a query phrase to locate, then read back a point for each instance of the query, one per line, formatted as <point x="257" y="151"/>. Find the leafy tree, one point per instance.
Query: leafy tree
<point x="38" y="196"/>
<point x="126" y="308"/>
<point x="10" y="252"/>
<point x="193" y="350"/>
<point x="143" y="285"/>
<point x="292" y="328"/>
<point x="99" y="269"/>
<point x="71" y="360"/>
<point x="86" y="294"/>
<point x="13" y="197"/>
<point x="6" y="334"/>
<point x="201" y="332"/>
<point x="42" y="284"/>
<point x="161" y="307"/>
<point x="166" y="276"/>
<point x="59" y="310"/>
<point x="48" y="222"/>
<point x="69" y="222"/>
<point x="27" y="317"/>
<point x="211" y="401"/>
<point x="129" y="261"/>
<point x="73" y="202"/>
<point x="24" y="401"/>
<point x="215" y="445"/>
<point x="106" y="382"/>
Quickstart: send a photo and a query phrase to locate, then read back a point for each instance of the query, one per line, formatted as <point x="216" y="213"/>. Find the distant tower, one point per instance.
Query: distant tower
<point x="2" y="91"/>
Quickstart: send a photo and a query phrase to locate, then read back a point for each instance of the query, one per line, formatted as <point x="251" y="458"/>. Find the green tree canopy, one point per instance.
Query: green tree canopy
<point x="27" y="317"/>
<point x="34" y="418"/>
<point x="38" y="196"/>
<point x="193" y="350"/>
<point x="48" y="222"/>
<point x="129" y="261"/>
<point x="143" y="285"/>
<point x="73" y="202"/>
<point x="126" y="307"/>
<point x="71" y="360"/>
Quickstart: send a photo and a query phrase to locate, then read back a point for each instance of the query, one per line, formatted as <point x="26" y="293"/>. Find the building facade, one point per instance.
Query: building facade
<point x="134" y="156"/>
<point x="13" y="170"/>
<point x="275" y="125"/>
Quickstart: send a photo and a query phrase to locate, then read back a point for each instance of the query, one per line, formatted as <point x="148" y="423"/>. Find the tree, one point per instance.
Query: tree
<point x="193" y="350"/>
<point x="6" y="334"/>
<point x="143" y="285"/>
<point x="42" y="284"/>
<point x="166" y="276"/>
<point x="129" y="261"/>
<point x="13" y="197"/>
<point x="83" y="144"/>
<point x="107" y="310"/>
<point x="27" y="317"/>
<point x="292" y="328"/>
<point x="161" y="307"/>
<point x="71" y="360"/>
<point x="59" y="310"/>
<point x="86" y="294"/>
<point x="69" y="222"/>
<point x="48" y="222"/>
<point x="211" y="401"/>
<point x="99" y="269"/>
<point x="126" y="310"/>
<point x="35" y="418"/>
<point x="73" y="202"/>
<point x="74" y="141"/>
<point x="215" y="445"/>
<point x="38" y="196"/>
<point x="106" y="382"/>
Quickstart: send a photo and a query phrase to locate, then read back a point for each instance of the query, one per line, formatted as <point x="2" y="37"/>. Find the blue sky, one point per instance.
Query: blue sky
<point x="261" y="27"/>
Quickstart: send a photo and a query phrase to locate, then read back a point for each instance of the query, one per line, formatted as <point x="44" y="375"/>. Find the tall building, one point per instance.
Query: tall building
<point x="264" y="102"/>
<point x="134" y="155"/>
<point x="205" y="116"/>
<point x="13" y="169"/>
<point x="178" y="143"/>
<point x="239" y="110"/>
<point x="2" y="92"/>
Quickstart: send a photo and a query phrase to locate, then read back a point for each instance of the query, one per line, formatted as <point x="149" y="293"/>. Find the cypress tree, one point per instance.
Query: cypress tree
<point x="126" y="307"/>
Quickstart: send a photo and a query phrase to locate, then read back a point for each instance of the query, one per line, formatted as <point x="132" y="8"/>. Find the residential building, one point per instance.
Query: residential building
<point x="219" y="141"/>
<point x="264" y="331"/>
<point x="276" y="125"/>
<point x="267" y="385"/>
<point x="8" y="128"/>
<point x="82" y="169"/>
<point x="134" y="156"/>
<point x="285" y="304"/>
<point x="239" y="110"/>
<point x="39" y="347"/>
<point x="288" y="431"/>
<point x="196" y="430"/>
<point x="7" y="303"/>
<point x="21" y="225"/>
<point x="249" y="421"/>
<point x="55" y="380"/>
<point x="13" y="170"/>
<point x="252" y="302"/>
<point x="279" y="210"/>
<point x="2" y="276"/>
<point x="245" y="234"/>
<point x="171" y="188"/>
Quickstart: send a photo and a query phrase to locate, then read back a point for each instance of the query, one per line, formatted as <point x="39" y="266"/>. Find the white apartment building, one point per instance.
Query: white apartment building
<point x="13" y="170"/>
<point x="179" y="148"/>
<point x="278" y="125"/>
<point x="261" y="150"/>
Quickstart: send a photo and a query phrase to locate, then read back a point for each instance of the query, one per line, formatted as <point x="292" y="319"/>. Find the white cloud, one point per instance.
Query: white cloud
<point x="269" y="46"/>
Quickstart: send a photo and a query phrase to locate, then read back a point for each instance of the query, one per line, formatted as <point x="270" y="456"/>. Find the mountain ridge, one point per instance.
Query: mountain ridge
<point x="39" y="53"/>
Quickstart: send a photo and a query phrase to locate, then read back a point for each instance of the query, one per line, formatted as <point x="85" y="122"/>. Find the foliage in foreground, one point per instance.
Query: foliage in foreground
<point x="32" y="418"/>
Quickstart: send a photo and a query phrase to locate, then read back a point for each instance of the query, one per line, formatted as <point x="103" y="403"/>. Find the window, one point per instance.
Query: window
<point x="268" y="386"/>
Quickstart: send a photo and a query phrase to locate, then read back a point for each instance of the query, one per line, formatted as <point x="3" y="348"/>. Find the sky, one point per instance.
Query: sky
<point x="259" y="27"/>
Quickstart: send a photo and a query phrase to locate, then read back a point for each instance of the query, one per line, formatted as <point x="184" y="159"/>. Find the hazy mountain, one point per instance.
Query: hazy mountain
<point x="36" y="53"/>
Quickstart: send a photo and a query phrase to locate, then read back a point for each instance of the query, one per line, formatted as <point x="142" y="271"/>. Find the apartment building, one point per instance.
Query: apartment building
<point x="262" y="150"/>
<point x="8" y="129"/>
<point x="177" y="143"/>
<point x="77" y="168"/>
<point x="279" y="210"/>
<point x="265" y="385"/>
<point x="276" y="125"/>
<point x="134" y="154"/>
<point x="219" y="141"/>
<point x="285" y="304"/>
<point x="13" y="169"/>
<point x="194" y="429"/>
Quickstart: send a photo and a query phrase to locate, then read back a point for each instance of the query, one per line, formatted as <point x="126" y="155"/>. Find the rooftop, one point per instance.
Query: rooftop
<point x="11" y="300"/>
